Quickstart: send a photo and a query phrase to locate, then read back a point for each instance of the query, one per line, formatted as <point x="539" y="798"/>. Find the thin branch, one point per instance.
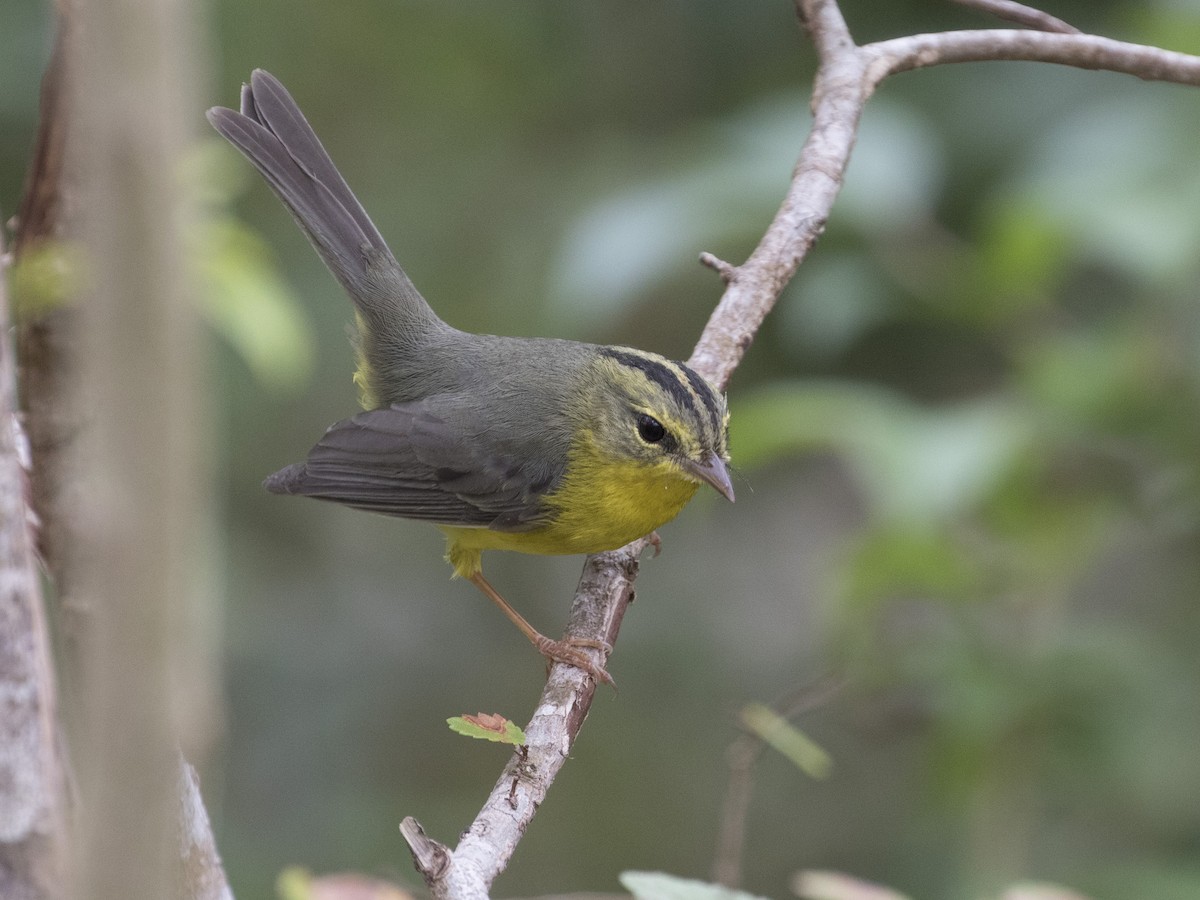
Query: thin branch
<point x="40" y="213"/>
<point x="486" y="847"/>
<point x="827" y="29"/>
<point x="47" y="339"/>
<point x="1020" y="14"/>
<point x="838" y="98"/>
<point x="742" y="756"/>
<point x="846" y="77"/>
<point x="727" y="271"/>
<point x="1083" y="51"/>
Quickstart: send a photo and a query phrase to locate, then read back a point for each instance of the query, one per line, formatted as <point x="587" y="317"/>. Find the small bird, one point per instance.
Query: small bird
<point x="536" y="445"/>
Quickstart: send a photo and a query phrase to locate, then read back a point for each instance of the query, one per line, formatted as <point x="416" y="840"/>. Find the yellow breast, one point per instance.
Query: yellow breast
<point x="601" y="504"/>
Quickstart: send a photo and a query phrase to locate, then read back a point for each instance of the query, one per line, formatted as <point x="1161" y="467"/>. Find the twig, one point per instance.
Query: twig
<point x="742" y="755"/>
<point x="846" y="77"/>
<point x="429" y="856"/>
<point x="727" y="271"/>
<point x="1021" y="15"/>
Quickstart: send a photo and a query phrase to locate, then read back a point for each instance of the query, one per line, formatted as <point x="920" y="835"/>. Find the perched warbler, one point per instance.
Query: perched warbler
<point x="529" y="444"/>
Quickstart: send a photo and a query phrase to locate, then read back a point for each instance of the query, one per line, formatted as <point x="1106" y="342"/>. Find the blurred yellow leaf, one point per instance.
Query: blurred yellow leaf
<point x="818" y="885"/>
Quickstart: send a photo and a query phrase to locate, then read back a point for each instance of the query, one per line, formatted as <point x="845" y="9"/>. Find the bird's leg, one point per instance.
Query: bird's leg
<point x="559" y="651"/>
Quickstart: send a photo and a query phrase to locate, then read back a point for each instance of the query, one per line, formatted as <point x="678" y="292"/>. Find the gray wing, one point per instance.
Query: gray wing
<point x="409" y="461"/>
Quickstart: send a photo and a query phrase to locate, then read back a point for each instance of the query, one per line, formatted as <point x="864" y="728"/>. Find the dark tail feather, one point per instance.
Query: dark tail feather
<point x="273" y="134"/>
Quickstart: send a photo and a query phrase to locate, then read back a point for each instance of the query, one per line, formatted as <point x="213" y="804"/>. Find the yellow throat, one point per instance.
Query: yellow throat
<point x="603" y="503"/>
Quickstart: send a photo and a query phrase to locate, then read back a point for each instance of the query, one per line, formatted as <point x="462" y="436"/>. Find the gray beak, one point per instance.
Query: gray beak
<point x="712" y="470"/>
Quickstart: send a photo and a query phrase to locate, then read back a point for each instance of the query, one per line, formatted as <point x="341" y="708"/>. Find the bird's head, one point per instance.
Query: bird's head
<point x="663" y="415"/>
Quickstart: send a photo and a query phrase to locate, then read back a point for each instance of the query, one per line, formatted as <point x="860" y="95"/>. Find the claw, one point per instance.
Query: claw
<point x="568" y="652"/>
<point x="656" y="542"/>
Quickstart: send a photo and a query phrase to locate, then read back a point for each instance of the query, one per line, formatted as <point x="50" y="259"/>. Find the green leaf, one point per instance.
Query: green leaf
<point x="660" y="886"/>
<point x="294" y="883"/>
<point x="786" y="738"/>
<point x="488" y="727"/>
<point x="248" y="303"/>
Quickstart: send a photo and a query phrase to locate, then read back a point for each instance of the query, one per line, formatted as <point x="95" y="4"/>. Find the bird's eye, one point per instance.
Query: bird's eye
<point x="650" y="429"/>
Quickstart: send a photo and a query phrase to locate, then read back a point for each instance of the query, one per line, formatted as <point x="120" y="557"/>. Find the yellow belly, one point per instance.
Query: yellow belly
<point x="601" y="505"/>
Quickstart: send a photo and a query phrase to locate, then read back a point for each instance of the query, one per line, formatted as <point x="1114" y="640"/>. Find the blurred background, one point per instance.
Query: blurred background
<point x="968" y="443"/>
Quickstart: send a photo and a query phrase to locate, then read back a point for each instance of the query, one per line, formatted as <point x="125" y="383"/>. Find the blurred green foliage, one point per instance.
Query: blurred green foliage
<point x="245" y="297"/>
<point x="970" y="430"/>
<point x="47" y="276"/>
<point x="785" y="738"/>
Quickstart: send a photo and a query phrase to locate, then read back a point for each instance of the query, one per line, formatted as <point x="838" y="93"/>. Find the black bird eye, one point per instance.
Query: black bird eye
<point x="650" y="429"/>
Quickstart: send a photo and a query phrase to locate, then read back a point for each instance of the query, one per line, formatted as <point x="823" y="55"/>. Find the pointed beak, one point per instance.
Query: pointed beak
<point x="712" y="470"/>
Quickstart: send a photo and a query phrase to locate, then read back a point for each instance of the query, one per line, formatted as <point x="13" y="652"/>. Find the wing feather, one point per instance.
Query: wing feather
<point x="410" y="461"/>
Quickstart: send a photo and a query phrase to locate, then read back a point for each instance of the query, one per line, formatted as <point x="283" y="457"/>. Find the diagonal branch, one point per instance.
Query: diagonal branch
<point x="488" y="844"/>
<point x="846" y="77"/>
<point x="754" y="286"/>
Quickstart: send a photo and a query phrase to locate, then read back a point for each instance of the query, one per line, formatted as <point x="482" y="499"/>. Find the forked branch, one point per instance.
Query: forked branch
<point x="846" y="77"/>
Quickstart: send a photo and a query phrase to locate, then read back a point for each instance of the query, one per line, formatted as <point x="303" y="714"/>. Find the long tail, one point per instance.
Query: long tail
<point x="273" y="134"/>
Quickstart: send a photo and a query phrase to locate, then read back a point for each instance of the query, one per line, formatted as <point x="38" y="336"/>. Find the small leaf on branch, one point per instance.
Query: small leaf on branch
<point x="488" y="727"/>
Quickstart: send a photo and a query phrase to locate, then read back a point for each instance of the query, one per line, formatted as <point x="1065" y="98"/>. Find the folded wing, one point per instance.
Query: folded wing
<point x="409" y="461"/>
